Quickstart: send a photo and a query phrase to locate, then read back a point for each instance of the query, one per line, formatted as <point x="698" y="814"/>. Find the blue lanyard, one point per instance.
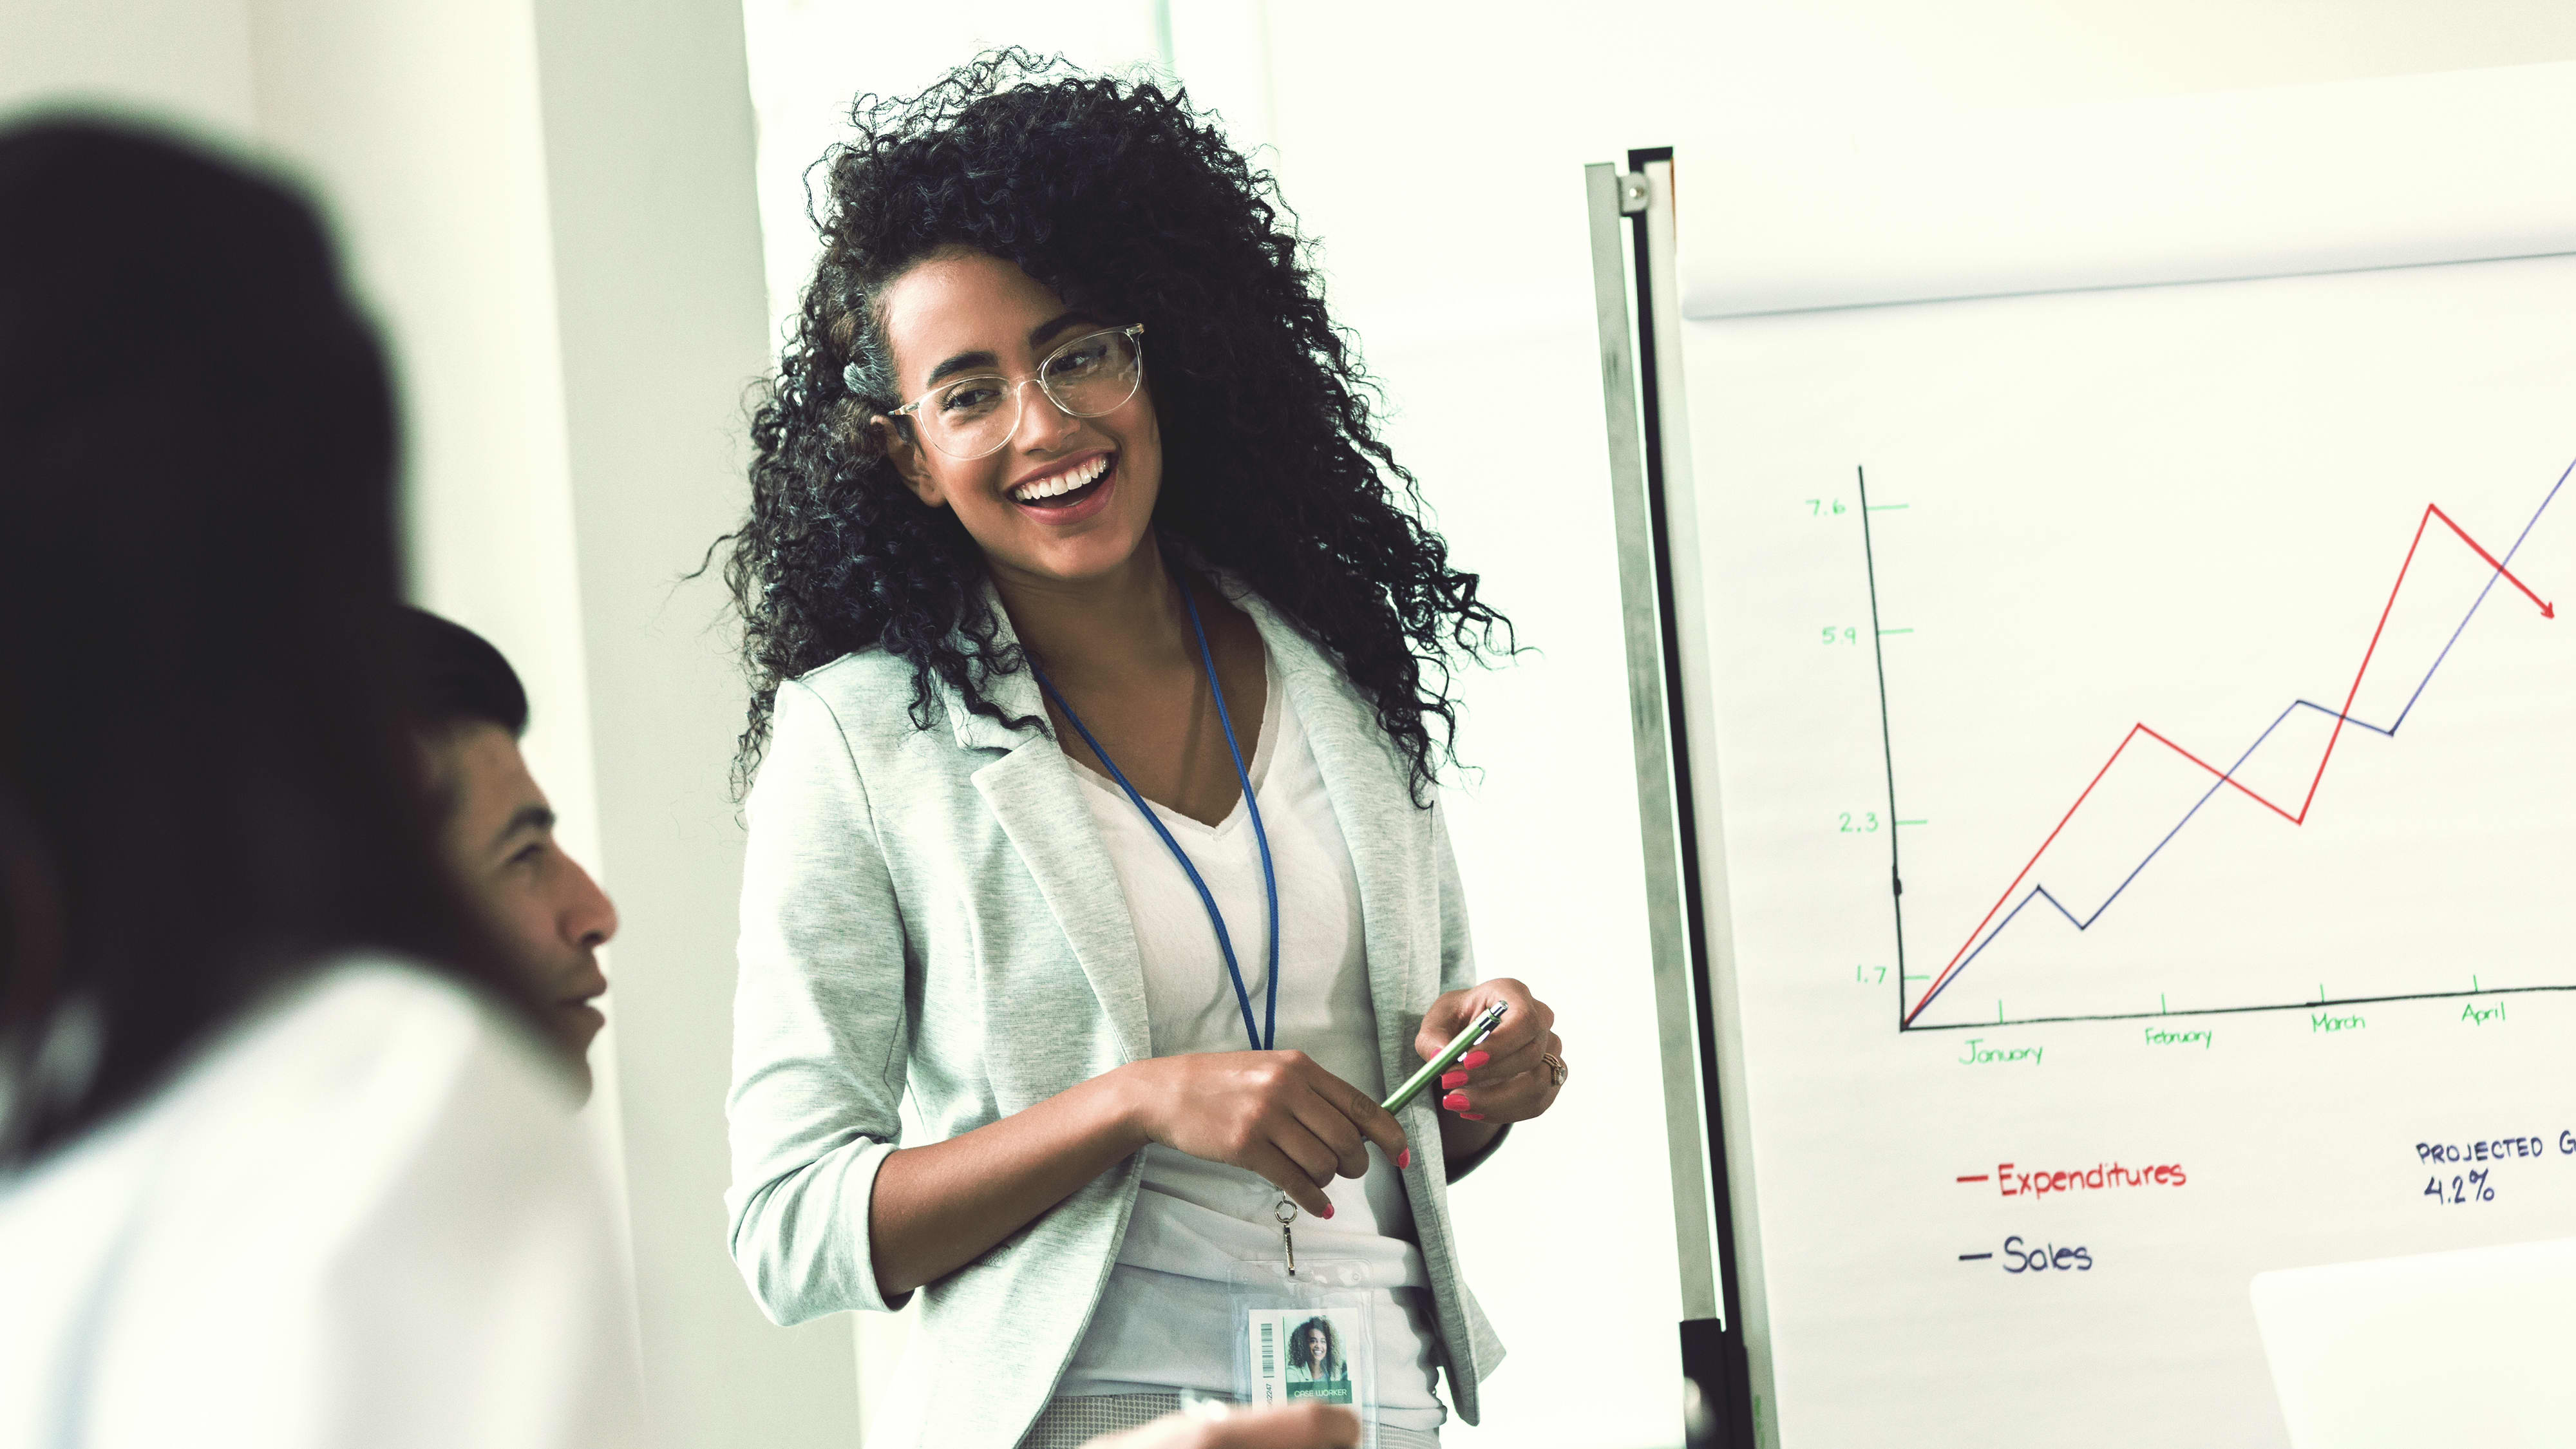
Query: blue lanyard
<point x="1261" y="1039"/>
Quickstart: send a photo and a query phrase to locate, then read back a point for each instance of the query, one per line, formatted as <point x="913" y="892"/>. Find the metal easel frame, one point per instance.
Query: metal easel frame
<point x="1677" y="805"/>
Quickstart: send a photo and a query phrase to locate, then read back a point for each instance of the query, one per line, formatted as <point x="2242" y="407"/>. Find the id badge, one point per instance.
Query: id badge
<point x="1306" y="1335"/>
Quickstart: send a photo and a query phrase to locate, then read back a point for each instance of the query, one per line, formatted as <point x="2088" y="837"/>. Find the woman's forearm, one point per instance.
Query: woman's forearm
<point x="937" y="1208"/>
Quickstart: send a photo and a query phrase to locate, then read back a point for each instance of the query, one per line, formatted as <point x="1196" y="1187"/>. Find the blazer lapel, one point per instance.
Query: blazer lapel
<point x="1388" y="838"/>
<point x="1032" y="792"/>
<point x="1033" y="795"/>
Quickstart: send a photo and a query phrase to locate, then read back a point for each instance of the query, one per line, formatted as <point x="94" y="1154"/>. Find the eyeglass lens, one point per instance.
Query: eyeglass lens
<point x="1086" y="377"/>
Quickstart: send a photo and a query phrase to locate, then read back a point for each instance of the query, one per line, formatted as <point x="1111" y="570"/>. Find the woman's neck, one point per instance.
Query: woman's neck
<point x="1104" y="629"/>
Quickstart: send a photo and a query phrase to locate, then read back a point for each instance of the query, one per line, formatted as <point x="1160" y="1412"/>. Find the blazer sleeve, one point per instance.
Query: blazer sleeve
<point x="1457" y="952"/>
<point x="819" y="1025"/>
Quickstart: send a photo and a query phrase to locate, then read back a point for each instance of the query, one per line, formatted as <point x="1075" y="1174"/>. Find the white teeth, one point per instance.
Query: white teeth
<point x="1065" y="482"/>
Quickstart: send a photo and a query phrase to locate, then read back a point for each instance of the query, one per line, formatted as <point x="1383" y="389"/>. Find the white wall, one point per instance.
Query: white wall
<point x="182" y="61"/>
<point x="418" y="126"/>
<point x="648" y="156"/>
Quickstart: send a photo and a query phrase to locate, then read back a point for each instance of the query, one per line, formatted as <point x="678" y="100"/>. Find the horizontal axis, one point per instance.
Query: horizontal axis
<point x="2232" y="1010"/>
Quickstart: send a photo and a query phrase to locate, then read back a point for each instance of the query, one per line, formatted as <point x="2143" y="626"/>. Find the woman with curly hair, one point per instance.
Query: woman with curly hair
<point x="1315" y="1360"/>
<point x="1095" y="806"/>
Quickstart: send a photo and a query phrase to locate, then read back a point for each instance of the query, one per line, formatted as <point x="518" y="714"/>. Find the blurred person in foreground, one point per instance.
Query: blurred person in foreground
<point x="286" y="1152"/>
<point x="497" y="829"/>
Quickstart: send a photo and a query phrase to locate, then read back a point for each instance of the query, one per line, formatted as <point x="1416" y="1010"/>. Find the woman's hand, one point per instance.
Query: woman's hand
<point x="1310" y="1425"/>
<point x="1508" y="1079"/>
<point x="1274" y="1113"/>
<point x="938" y="1206"/>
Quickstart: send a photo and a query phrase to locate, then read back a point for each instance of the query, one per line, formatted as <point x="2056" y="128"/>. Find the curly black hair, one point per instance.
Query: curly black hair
<point x="1124" y="201"/>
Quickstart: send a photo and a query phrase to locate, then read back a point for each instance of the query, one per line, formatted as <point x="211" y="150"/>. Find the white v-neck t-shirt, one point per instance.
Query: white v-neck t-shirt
<point x="1165" y="1319"/>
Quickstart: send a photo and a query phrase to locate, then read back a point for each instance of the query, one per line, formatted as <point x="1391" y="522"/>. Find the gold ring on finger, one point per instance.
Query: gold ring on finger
<point x="1556" y="1072"/>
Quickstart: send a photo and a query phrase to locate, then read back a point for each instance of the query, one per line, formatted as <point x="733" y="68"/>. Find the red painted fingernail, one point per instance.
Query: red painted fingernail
<point x="1473" y="1116"/>
<point x="1328" y="1209"/>
<point x="1404" y="1158"/>
<point x="1453" y="1079"/>
<point x="1473" y="1060"/>
<point x="1454" y="1101"/>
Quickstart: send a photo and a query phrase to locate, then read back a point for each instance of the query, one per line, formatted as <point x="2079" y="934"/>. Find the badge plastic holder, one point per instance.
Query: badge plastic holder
<point x="1307" y="1334"/>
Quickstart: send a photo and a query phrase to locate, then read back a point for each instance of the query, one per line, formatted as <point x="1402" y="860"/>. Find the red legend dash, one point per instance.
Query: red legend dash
<point x="1980" y="1177"/>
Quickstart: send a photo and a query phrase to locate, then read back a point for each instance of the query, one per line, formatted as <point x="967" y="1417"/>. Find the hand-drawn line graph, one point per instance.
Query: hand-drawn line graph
<point x="1988" y="929"/>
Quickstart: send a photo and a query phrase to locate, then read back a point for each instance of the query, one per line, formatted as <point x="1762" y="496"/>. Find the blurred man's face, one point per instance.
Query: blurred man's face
<point x="500" y="841"/>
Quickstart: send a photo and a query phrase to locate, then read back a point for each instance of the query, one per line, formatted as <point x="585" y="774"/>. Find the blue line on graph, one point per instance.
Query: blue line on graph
<point x="2040" y="891"/>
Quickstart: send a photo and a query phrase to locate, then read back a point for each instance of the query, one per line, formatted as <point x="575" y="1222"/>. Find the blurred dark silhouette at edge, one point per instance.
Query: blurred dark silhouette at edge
<point x="205" y="787"/>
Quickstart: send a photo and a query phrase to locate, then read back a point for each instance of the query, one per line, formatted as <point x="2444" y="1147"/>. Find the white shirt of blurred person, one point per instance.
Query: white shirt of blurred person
<point x="287" y="1155"/>
<point x="496" y="829"/>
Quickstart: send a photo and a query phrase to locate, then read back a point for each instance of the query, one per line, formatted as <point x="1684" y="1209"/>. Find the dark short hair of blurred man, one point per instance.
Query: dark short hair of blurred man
<point x="496" y="829"/>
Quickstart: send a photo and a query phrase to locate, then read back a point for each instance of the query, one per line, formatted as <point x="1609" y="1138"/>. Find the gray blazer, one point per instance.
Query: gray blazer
<point x="934" y="911"/>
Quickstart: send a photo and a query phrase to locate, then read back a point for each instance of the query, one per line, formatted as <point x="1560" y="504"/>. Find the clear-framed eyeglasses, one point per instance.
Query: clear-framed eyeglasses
<point x="1085" y="377"/>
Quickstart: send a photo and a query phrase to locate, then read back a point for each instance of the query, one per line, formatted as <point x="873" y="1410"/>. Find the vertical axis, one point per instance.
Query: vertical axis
<point x="1887" y="747"/>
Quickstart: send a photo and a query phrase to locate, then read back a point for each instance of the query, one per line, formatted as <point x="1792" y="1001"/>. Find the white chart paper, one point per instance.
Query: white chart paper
<point x="2295" y="981"/>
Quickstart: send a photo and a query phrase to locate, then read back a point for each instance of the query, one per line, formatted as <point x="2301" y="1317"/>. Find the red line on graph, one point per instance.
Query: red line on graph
<point x="1980" y="1177"/>
<point x="2431" y="512"/>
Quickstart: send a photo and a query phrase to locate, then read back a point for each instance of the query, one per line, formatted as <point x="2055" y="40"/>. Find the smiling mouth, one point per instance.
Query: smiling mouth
<point x="1069" y="488"/>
